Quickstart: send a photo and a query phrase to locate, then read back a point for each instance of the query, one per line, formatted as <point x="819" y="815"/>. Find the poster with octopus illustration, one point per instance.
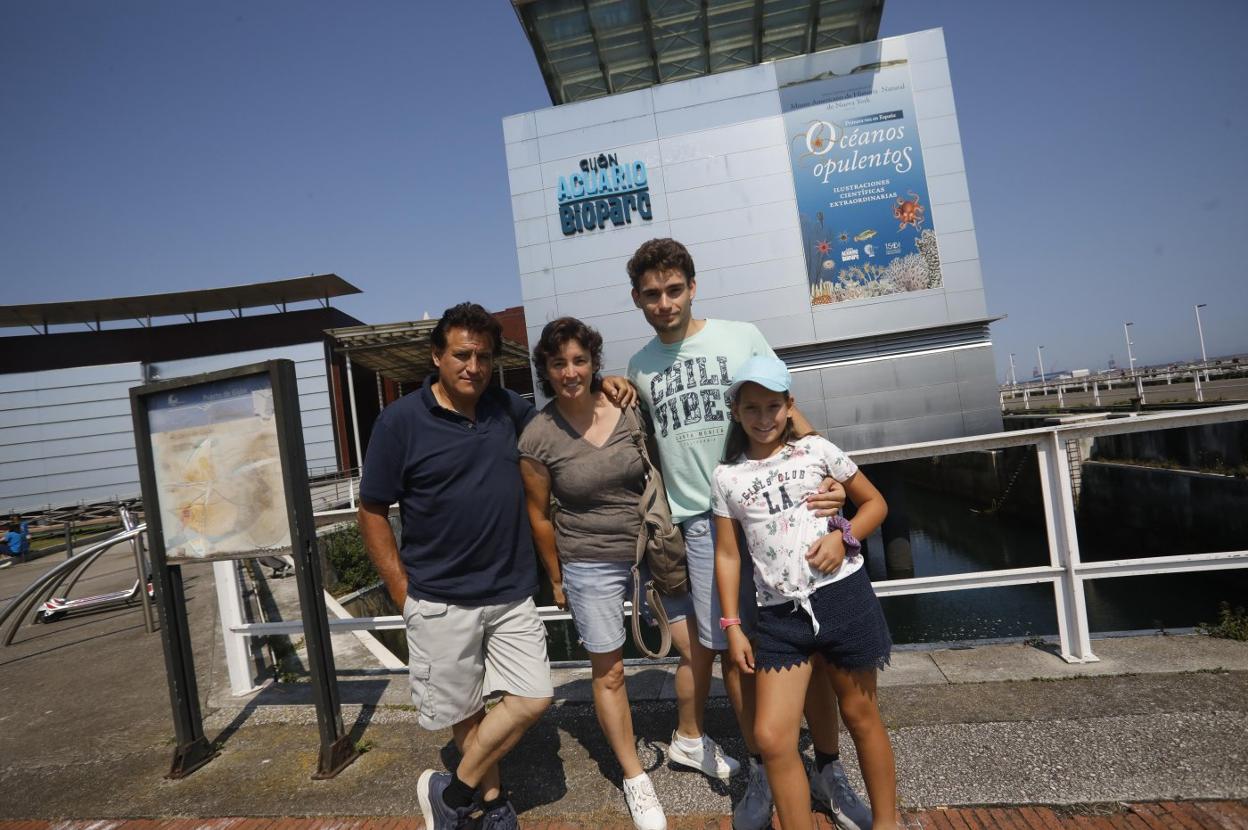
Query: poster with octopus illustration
<point x="866" y="219"/>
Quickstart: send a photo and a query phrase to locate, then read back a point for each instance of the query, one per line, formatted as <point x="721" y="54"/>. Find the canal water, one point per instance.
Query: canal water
<point x="950" y="535"/>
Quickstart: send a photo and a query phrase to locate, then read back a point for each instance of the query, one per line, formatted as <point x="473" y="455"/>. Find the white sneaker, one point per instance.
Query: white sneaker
<point x="708" y="758"/>
<point x="644" y="804"/>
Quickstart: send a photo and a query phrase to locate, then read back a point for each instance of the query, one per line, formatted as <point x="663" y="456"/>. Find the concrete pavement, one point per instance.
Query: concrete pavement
<point x="85" y="729"/>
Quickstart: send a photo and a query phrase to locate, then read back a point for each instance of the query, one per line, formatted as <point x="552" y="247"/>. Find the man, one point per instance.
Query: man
<point x="466" y="574"/>
<point x="681" y="376"/>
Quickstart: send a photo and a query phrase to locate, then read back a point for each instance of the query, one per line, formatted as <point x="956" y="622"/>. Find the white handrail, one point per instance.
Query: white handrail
<point x="1065" y="571"/>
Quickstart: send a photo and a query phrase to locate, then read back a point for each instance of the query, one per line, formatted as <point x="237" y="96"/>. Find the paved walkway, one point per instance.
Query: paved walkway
<point x="1165" y="815"/>
<point x="85" y="732"/>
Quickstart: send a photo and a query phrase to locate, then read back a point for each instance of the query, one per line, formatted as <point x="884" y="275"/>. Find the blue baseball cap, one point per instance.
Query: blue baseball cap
<point x="768" y="372"/>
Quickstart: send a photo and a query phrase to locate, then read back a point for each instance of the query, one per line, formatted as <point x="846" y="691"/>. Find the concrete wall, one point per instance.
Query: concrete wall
<point x="720" y="181"/>
<point x="66" y="435"/>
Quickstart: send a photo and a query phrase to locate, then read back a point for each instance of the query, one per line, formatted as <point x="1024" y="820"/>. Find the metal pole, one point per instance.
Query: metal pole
<point x="1059" y="515"/>
<point x="355" y="420"/>
<point x="230" y="603"/>
<point x="69" y="538"/>
<point x="1013" y="374"/>
<point x="1204" y="360"/>
<point x="1130" y="357"/>
<point x="1041" y="360"/>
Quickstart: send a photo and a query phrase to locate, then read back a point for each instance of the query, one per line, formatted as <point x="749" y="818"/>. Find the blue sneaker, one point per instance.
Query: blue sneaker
<point x="753" y="811"/>
<point x="438" y="816"/>
<point x="502" y="817"/>
<point x="830" y="790"/>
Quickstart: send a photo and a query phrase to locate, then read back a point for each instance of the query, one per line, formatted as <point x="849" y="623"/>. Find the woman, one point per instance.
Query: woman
<point x="579" y="449"/>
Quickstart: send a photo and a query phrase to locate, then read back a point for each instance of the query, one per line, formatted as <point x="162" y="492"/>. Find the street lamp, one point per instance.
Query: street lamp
<point x="1041" y="360"/>
<point x="1204" y="360"/>
<point x="1013" y="374"/>
<point x="1130" y="357"/>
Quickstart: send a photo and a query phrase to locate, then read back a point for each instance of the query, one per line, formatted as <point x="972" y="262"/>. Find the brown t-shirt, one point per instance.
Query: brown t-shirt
<point x="597" y="488"/>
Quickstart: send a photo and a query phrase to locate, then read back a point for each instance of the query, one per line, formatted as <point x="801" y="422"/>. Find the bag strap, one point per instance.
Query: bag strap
<point x="657" y="611"/>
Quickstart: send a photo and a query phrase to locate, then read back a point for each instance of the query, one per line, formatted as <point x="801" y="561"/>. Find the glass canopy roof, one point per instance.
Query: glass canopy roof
<point x="591" y="48"/>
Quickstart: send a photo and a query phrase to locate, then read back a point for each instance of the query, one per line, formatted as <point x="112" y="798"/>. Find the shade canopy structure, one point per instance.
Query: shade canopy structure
<point x="593" y="48"/>
<point x="188" y="304"/>
<point x="401" y="351"/>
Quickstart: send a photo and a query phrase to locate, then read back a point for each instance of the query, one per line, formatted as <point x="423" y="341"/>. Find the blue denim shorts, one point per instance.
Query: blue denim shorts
<point x="699" y="534"/>
<point x="596" y="593"/>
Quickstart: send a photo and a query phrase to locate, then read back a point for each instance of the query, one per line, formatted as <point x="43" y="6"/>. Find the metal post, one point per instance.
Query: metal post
<point x="1040" y="358"/>
<point x="1026" y="398"/>
<point x="69" y="538"/>
<point x="1139" y="388"/>
<point x="1130" y="357"/>
<point x="1059" y="517"/>
<point x="1200" y="391"/>
<point x="1096" y="393"/>
<point x="1061" y="402"/>
<point x="355" y="420"/>
<point x="1204" y="360"/>
<point x="1013" y="374"/>
<point x="237" y="652"/>
<point x="140" y="568"/>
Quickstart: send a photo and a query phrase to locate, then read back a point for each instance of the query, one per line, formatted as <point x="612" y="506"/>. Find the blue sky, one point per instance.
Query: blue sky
<point x="152" y="146"/>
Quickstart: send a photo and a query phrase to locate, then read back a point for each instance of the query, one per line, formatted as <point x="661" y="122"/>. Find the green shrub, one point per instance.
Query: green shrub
<point x="344" y="551"/>
<point x="1232" y="624"/>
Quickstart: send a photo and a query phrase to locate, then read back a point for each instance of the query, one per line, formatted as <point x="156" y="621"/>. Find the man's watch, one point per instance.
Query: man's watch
<point x="852" y="546"/>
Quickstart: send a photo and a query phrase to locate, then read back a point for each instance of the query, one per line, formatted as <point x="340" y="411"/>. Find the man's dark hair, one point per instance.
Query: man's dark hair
<point x="660" y="255"/>
<point x="555" y="336"/>
<point x="468" y="316"/>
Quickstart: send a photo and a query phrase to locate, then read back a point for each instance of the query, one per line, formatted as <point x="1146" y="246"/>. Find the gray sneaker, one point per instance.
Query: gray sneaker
<point x="753" y="811"/>
<point x="502" y="817"/>
<point x="438" y="816"/>
<point x="831" y="793"/>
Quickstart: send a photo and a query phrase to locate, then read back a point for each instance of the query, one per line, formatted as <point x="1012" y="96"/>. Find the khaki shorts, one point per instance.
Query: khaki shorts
<point x="458" y="655"/>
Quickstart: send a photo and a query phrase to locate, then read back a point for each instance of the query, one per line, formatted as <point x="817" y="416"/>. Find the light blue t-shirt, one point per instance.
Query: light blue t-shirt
<point x="682" y="386"/>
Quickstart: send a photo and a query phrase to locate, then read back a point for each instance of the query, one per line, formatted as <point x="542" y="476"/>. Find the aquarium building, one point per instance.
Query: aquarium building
<point x="814" y="172"/>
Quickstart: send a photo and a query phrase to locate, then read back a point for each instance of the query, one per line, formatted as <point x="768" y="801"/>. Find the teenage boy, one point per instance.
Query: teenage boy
<point x="681" y="377"/>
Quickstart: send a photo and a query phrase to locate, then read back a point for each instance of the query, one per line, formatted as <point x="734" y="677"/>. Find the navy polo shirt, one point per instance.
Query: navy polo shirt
<point x="466" y="538"/>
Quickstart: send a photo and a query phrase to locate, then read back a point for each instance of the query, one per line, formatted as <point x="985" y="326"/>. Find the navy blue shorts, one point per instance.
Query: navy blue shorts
<point x="853" y="634"/>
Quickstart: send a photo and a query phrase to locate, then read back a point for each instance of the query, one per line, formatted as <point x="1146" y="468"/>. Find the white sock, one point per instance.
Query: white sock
<point x="636" y="778"/>
<point x="689" y="743"/>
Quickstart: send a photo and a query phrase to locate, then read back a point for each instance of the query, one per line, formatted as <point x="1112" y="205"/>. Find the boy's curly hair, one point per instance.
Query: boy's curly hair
<point x="660" y="255"/>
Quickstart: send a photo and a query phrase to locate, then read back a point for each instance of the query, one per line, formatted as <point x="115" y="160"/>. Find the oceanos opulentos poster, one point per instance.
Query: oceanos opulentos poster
<point x="866" y="220"/>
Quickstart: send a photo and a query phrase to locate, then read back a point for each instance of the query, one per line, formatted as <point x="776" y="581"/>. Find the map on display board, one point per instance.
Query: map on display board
<point x="867" y="227"/>
<point x="218" y="470"/>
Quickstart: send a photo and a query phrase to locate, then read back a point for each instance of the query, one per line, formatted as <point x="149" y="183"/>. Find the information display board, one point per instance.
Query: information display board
<point x="224" y="476"/>
<point x="218" y="471"/>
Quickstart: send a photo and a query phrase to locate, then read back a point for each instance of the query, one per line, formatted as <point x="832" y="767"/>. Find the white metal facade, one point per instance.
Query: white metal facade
<point x="721" y="182"/>
<point x="66" y="435"/>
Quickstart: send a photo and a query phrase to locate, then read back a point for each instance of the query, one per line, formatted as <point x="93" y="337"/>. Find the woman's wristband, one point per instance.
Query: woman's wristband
<point x="726" y="622"/>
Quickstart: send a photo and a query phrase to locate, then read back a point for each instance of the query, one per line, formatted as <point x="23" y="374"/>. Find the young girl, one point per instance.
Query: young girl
<point x="814" y="596"/>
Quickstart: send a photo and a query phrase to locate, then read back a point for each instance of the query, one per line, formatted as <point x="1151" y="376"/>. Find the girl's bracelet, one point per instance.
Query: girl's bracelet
<point x="726" y="622"/>
<point x="852" y="546"/>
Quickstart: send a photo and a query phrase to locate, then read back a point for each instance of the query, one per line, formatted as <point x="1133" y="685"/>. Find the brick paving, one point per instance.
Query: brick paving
<point x="1160" y="815"/>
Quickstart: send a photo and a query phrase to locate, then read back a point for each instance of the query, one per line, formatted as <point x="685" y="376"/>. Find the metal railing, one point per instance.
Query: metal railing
<point x="68" y="572"/>
<point x="1066" y="571"/>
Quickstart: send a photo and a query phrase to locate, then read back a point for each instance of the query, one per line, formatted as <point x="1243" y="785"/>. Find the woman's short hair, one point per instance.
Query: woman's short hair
<point x="555" y="336"/>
